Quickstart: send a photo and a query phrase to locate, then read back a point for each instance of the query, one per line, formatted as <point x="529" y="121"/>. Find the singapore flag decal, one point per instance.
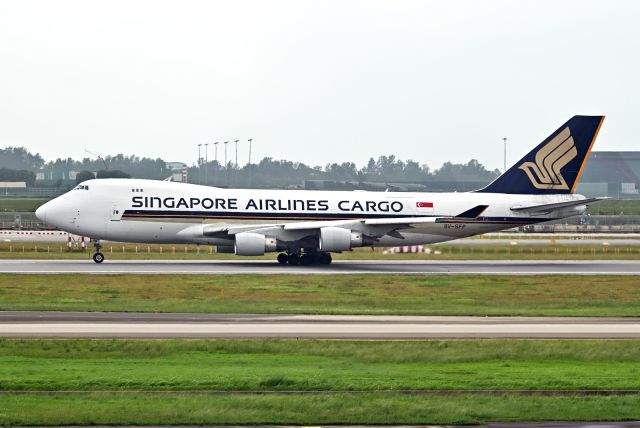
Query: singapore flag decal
<point x="424" y="204"/>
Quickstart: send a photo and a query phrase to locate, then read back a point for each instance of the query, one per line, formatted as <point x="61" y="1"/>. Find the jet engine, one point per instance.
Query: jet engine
<point x="338" y="239"/>
<point x="254" y="244"/>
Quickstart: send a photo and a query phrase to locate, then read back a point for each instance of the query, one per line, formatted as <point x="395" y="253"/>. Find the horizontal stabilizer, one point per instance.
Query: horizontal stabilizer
<point x="473" y="212"/>
<point x="556" y="206"/>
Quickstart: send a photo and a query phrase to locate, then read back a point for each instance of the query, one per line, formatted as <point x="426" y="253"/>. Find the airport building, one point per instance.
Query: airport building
<point x="178" y="171"/>
<point x="612" y="174"/>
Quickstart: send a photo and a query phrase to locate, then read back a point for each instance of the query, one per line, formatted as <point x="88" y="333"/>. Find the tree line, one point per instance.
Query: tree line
<point x="268" y="172"/>
<point x="389" y="169"/>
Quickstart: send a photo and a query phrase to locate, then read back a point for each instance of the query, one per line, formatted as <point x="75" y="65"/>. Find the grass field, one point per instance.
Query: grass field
<point x="108" y="381"/>
<point x="312" y="409"/>
<point x="326" y="294"/>
<point x="21" y="204"/>
<point x="318" y="365"/>
<point x="615" y="207"/>
<point x="18" y="250"/>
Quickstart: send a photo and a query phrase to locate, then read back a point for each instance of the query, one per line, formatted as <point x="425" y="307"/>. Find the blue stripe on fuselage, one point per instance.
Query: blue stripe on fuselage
<point x="156" y="214"/>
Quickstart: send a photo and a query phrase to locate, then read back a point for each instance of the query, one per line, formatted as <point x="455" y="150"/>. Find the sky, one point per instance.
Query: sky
<point x="315" y="81"/>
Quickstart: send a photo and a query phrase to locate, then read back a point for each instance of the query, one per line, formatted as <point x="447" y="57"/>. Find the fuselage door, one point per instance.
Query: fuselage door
<point x="116" y="213"/>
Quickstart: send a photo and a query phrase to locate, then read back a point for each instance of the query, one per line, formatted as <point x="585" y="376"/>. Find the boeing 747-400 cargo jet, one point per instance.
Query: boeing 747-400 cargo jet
<point x="307" y="226"/>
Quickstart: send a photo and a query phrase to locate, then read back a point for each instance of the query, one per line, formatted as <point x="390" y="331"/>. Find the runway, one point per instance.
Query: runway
<point x="425" y="267"/>
<point x="139" y="325"/>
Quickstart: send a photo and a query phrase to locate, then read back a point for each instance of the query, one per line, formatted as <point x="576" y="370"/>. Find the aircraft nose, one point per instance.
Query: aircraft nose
<point x="41" y="212"/>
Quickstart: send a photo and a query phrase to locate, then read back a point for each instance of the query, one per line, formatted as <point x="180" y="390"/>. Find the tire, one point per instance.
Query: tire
<point x="326" y="259"/>
<point x="283" y="258"/>
<point x="294" y="259"/>
<point x="98" y="257"/>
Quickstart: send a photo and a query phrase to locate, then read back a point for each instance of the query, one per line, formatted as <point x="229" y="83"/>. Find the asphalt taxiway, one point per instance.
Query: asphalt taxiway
<point x="213" y="267"/>
<point x="151" y="325"/>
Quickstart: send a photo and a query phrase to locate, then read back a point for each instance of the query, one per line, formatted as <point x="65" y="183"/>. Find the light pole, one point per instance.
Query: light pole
<point x="206" y="161"/>
<point x="249" y="167"/>
<point x="226" y="169"/>
<point x="200" y="162"/>
<point x="235" y="170"/>
<point x="215" y="178"/>
<point x="236" y="141"/>
<point x="504" y="164"/>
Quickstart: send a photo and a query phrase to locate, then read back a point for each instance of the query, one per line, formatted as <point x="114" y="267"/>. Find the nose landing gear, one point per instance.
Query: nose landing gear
<point x="98" y="257"/>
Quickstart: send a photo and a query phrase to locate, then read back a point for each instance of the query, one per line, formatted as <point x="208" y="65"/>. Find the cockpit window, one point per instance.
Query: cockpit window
<point x="81" y="187"/>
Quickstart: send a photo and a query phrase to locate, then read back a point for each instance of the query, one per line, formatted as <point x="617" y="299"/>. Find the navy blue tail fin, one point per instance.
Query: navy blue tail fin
<point x="555" y="165"/>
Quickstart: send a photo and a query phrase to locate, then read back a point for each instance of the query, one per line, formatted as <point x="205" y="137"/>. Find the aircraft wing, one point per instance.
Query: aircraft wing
<point x="544" y="208"/>
<point x="373" y="227"/>
<point x="405" y="221"/>
<point x="387" y="221"/>
<point x="377" y="227"/>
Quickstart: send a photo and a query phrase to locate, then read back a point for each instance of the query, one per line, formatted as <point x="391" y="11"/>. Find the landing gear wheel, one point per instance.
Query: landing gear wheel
<point x="98" y="257"/>
<point x="294" y="259"/>
<point x="325" y="258"/>
<point x="283" y="258"/>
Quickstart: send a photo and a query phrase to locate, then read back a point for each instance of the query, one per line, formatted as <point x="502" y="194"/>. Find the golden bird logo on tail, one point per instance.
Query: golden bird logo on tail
<point x="550" y="160"/>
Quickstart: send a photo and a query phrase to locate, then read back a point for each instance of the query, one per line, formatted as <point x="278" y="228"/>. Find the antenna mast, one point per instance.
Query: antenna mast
<point x="99" y="157"/>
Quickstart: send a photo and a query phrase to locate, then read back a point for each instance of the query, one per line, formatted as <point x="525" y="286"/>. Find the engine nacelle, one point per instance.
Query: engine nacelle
<point x="338" y="239"/>
<point x="254" y="244"/>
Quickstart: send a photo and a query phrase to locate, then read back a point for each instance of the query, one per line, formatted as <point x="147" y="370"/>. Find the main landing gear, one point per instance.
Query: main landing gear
<point x="98" y="257"/>
<point x="311" y="258"/>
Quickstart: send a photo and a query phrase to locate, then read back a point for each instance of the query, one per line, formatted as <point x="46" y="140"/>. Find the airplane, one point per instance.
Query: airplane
<point x="305" y="227"/>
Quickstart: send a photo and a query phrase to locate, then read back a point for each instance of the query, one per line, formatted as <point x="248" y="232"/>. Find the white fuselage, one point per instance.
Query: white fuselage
<point x="133" y="210"/>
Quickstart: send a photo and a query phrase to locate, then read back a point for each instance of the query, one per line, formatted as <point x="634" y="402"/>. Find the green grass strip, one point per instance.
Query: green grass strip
<point x="369" y="408"/>
<point x="21" y="204"/>
<point x="117" y="377"/>
<point x="316" y="365"/>
<point x="326" y="294"/>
